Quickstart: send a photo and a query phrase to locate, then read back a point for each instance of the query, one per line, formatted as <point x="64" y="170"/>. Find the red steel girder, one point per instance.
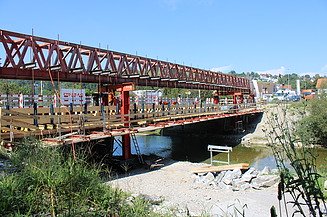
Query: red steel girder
<point x="75" y="62"/>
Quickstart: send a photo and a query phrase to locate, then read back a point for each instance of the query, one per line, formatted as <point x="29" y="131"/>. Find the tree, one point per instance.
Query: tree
<point x="288" y="79"/>
<point x="313" y="128"/>
<point x="232" y="72"/>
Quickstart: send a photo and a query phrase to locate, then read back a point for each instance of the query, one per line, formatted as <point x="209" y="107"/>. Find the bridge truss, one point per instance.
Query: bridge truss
<point x="31" y="57"/>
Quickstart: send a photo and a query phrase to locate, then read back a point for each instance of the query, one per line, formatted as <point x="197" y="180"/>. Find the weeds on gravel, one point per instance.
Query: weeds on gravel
<point x="47" y="182"/>
<point x="234" y="210"/>
<point x="296" y="162"/>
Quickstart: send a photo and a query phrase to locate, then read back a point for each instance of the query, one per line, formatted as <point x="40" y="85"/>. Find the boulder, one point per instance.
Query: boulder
<point x="236" y="173"/>
<point x="264" y="181"/>
<point x="275" y="171"/>
<point x="249" y="175"/>
<point x="245" y="186"/>
<point x="238" y="182"/>
<point x="154" y="200"/>
<point x="208" y="178"/>
<point x="254" y="185"/>
<point x="194" y="177"/>
<point x="272" y="180"/>
<point x="199" y="180"/>
<point x="220" y="176"/>
<point x="227" y="179"/>
<point x="223" y="186"/>
<point x="265" y="171"/>
<point x="213" y="183"/>
<point x="235" y="188"/>
<point x="231" y="175"/>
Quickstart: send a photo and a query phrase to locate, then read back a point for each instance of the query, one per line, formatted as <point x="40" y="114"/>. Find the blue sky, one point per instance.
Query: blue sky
<point x="277" y="36"/>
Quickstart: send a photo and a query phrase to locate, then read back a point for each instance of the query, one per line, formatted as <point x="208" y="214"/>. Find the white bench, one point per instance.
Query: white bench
<point x="220" y="149"/>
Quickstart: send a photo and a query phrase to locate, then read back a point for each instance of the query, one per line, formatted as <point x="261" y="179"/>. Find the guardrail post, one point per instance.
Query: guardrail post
<point x="153" y="109"/>
<point x="169" y="108"/>
<point x="85" y="108"/>
<point x="35" y="113"/>
<point x="52" y="114"/>
<point x="103" y="116"/>
<point x="142" y="108"/>
<point x="117" y="107"/>
<point x="134" y="110"/>
<point x="102" y="111"/>
<point x="71" y="108"/>
<point x="7" y="102"/>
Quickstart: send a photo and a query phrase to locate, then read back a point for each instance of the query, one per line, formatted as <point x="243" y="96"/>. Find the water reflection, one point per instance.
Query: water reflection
<point x="150" y="144"/>
<point x="194" y="149"/>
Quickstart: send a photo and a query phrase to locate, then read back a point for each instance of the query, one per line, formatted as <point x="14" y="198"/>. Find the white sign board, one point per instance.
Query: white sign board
<point x="75" y="96"/>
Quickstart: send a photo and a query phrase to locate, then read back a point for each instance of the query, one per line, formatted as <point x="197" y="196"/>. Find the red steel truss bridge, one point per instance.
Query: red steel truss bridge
<point x="31" y="57"/>
<point x="28" y="57"/>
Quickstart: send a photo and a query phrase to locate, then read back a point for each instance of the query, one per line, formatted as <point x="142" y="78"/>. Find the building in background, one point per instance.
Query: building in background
<point x="321" y="85"/>
<point x="264" y="90"/>
<point x="147" y="96"/>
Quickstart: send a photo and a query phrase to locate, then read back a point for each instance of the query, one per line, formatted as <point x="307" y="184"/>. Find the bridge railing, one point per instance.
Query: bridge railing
<point x="19" y="122"/>
<point x="10" y="101"/>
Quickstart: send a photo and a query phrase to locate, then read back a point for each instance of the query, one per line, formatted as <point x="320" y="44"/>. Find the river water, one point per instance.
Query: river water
<point x="194" y="149"/>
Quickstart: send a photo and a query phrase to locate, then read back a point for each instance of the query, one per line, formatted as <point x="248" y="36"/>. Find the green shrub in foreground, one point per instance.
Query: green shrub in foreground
<point x="48" y="183"/>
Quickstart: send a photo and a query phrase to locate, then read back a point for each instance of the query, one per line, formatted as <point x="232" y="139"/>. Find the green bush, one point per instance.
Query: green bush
<point x="48" y="182"/>
<point x="312" y="128"/>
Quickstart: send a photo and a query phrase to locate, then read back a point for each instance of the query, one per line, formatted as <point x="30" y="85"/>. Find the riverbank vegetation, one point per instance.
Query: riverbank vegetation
<point x="51" y="182"/>
<point x="313" y="127"/>
<point x="291" y="140"/>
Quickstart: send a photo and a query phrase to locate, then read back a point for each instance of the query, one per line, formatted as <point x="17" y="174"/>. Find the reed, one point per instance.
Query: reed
<point x="296" y="161"/>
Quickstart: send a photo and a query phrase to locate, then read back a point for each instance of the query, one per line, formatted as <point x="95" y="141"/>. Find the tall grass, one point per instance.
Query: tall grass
<point x="296" y="161"/>
<point x="47" y="182"/>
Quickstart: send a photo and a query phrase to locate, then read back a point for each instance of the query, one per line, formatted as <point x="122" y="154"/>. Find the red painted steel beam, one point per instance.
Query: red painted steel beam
<point x="74" y="62"/>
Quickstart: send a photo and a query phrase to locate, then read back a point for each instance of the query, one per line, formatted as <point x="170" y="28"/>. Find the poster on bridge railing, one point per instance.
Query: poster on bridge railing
<point x="75" y="96"/>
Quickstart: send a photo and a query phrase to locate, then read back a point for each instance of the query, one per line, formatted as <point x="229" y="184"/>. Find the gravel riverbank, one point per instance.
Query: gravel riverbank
<point x="178" y="189"/>
<point x="175" y="185"/>
<point x="258" y="137"/>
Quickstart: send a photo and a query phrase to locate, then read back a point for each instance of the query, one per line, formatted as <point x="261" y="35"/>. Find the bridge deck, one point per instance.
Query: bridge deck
<point x="102" y="122"/>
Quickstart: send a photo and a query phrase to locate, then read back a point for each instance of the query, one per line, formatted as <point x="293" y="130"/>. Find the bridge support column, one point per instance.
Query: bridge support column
<point x="125" y="117"/>
<point x="127" y="152"/>
<point x="125" y="114"/>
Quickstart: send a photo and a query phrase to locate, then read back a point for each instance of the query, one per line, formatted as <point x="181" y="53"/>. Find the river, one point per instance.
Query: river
<point x="194" y="149"/>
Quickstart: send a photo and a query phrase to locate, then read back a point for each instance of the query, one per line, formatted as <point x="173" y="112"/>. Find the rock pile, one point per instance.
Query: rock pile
<point x="236" y="180"/>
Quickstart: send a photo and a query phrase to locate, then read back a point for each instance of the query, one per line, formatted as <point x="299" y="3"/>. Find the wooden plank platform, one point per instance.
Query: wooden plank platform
<point x="206" y="169"/>
<point x="20" y="122"/>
